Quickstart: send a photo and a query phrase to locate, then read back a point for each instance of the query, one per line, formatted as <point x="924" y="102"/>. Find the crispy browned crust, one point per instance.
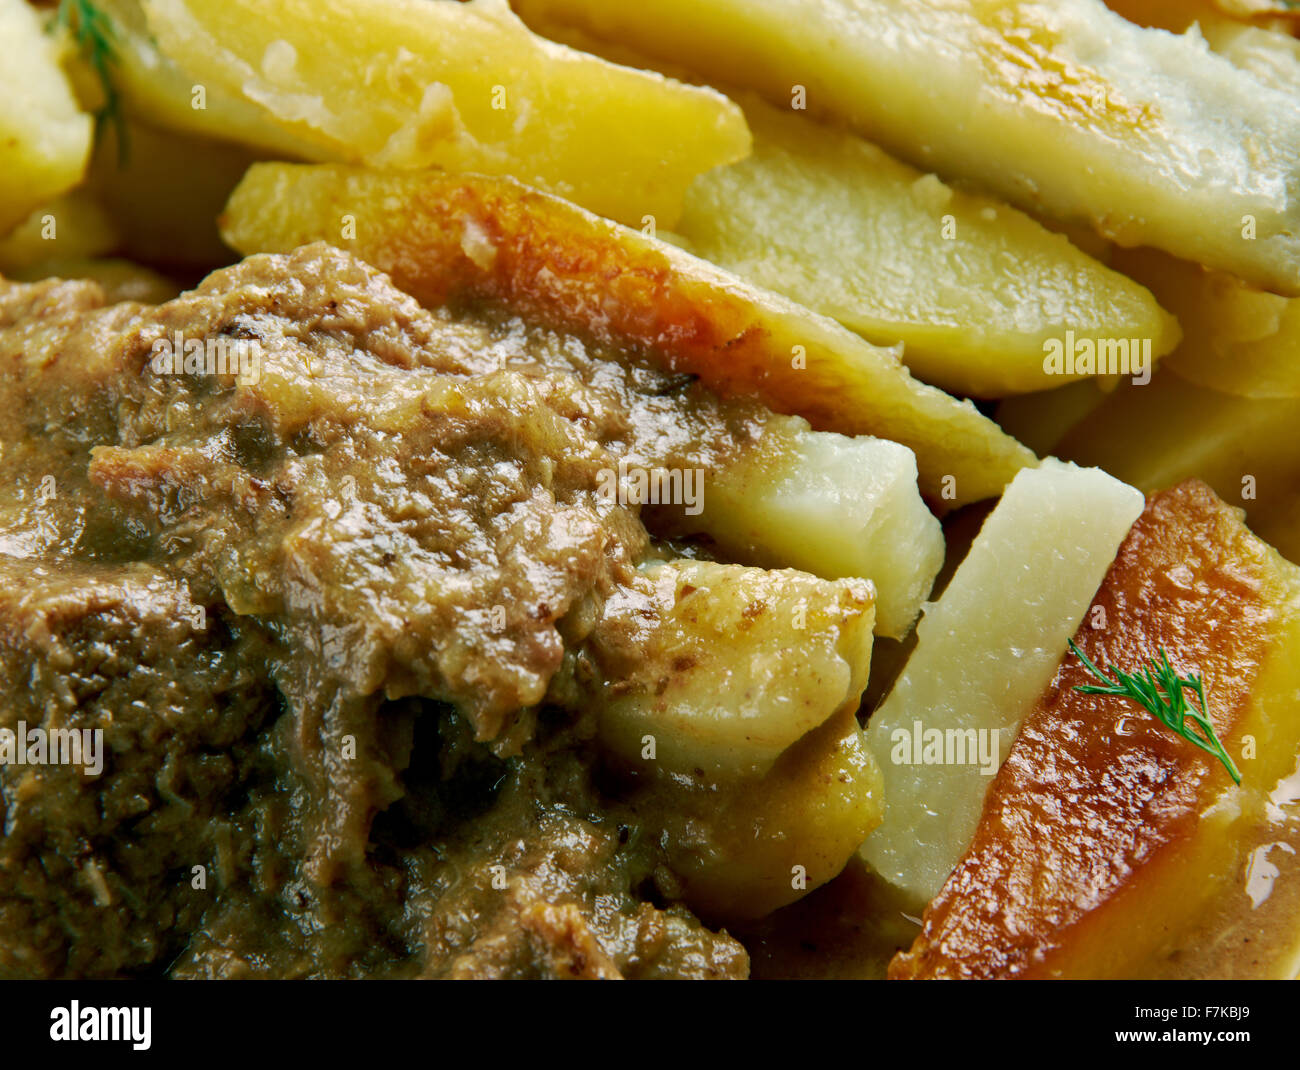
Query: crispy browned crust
<point x="1099" y="807"/>
<point x="452" y="238"/>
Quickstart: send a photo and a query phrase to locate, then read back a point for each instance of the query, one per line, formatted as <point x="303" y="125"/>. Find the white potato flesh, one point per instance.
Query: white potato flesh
<point x="985" y="652"/>
<point x="44" y="135"/>
<point x="720" y="668"/>
<point x="1063" y="108"/>
<point x="1272" y="57"/>
<point x="1238" y="339"/>
<point x="834" y="506"/>
<point x="970" y="286"/>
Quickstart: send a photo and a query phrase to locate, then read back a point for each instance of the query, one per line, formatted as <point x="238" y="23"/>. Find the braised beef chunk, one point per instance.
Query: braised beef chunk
<point x="310" y="555"/>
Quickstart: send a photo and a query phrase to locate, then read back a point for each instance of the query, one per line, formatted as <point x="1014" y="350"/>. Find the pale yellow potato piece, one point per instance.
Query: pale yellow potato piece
<point x="414" y="84"/>
<point x="1158" y="435"/>
<point x="44" y="135"/>
<point x="154" y="89"/>
<point x="1238" y="339"/>
<point x="1041" y="420"/>
<point x="970" y="286"/>
<point x="832" y="506"/>
<point x="722" y="667"/>
<point x="1272" y="57"/>
<point x="985" y="652"/>
<point x="1064" y="108"/>
<point x="447" y="237"/>
<point x="74" y="226"/>
<point x="120" y="279"/>
<point x="745" y="848"/>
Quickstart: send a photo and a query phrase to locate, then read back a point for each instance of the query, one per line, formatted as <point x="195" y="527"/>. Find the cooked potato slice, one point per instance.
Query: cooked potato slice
<point x="465" y="236"/>
<point x="832" y="506"/>
<point x="1107" y="841"/>
<point x="412" y="84"/>
<point x="985" y="652"/>
<point x="1064" y="108"/>
<point x="722" y="667"/>
<point x="1041" y="420"/>
<point x="1238" y="339"/>
<point x="44" y="135"/>
<point x="152" y="88"/>
<point x="971" y="287"/>
<point x="74" y="226"/>
<point x="120" y="279"/>
<point x="741" y="849"/>
<point x="1158" y="435"/>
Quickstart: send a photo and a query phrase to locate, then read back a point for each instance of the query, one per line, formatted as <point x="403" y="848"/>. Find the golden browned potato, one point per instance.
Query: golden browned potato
<point x="1064" y="108"/>
<point x="411" y="84"/>
<point x="971" y="287"/>
<point x="1107" y="841"/>
<point x="447" y="237"/>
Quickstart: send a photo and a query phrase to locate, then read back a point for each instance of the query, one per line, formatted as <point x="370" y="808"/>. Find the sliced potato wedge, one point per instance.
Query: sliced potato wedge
<point x="1042" y="419"/>
<point x="722" y="667"/>
<point x="971" y="287"/>
<point x="1158" y="435"/>
<point x="831" y="506"/>
<point x="1111" y="846"/>
<point x="985" y="652"/>
<point x="1064" y="108"/>
<point x="44" y="135"/>
<point x="412" y="84"/>
<point x="154" y="89"/>
<point x="473" y="237"/>
<point x="1238" y="339"/>
<point x="74" y="226"/>
<point x="743" y="848"/>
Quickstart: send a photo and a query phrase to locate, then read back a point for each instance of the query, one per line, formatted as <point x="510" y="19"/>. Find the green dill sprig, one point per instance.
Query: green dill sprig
<point x="1160" y="691"/>
<point x="96" y="37"/>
